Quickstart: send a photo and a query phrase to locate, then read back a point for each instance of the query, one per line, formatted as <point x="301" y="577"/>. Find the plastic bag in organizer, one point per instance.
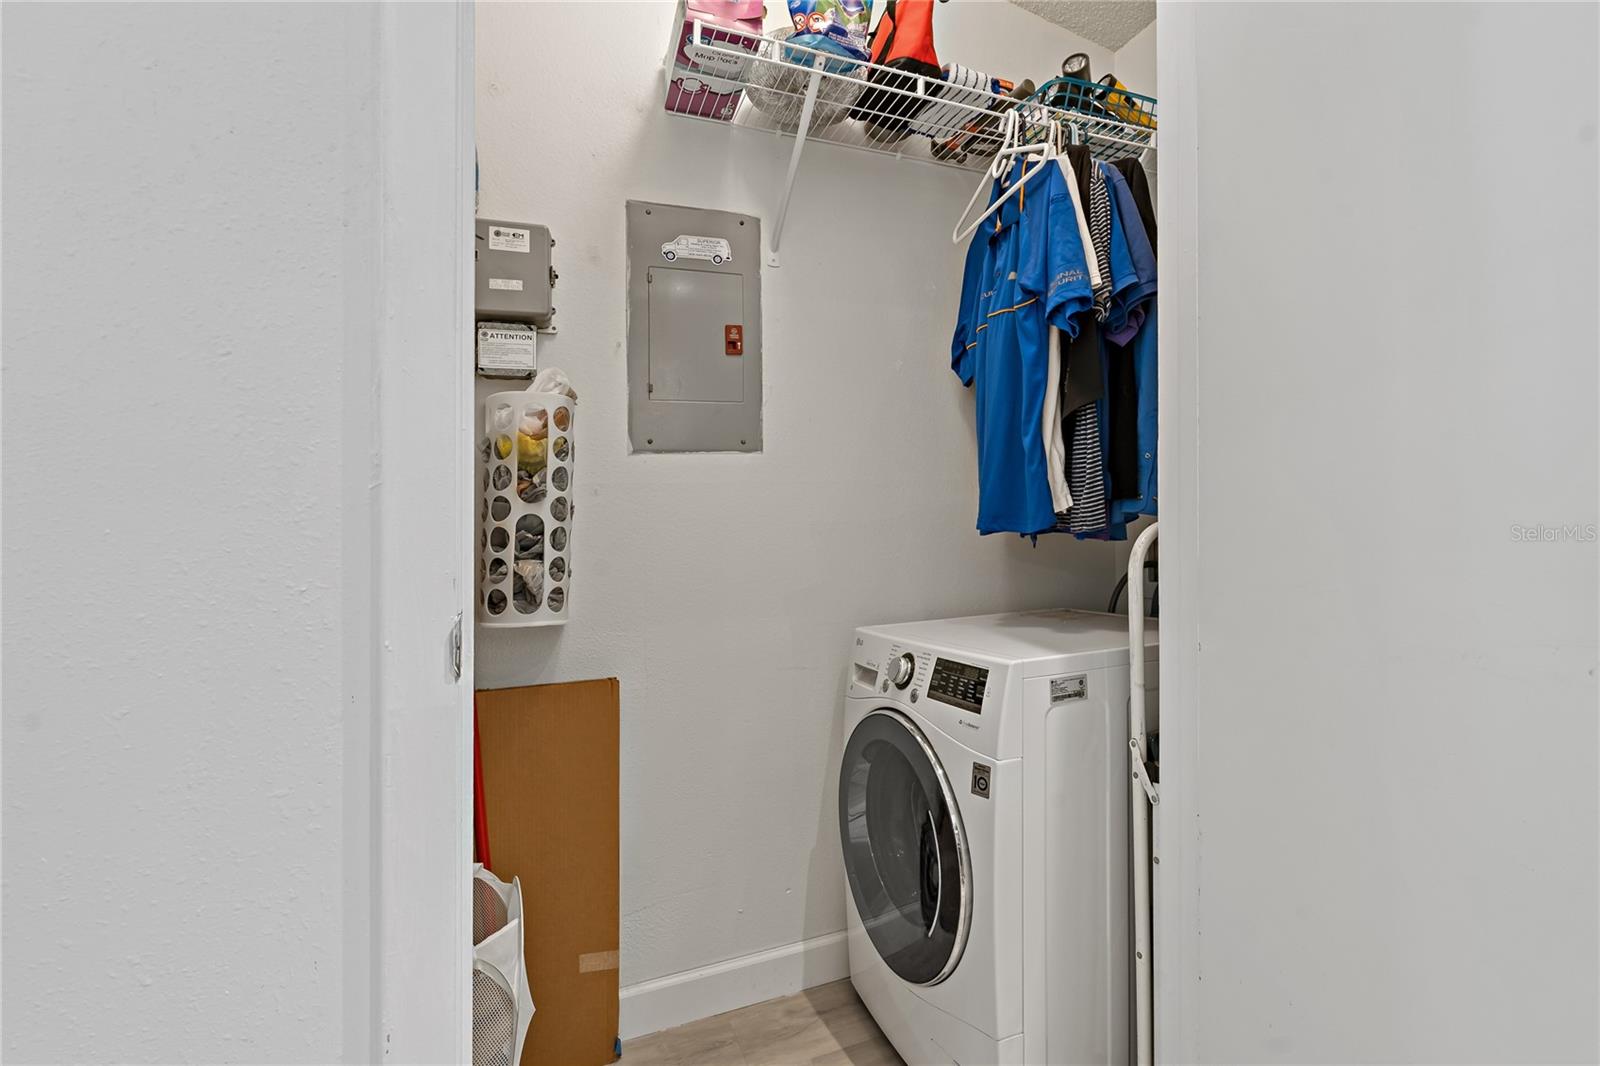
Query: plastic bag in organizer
<point x="498" y="442"/>
<point x="553" y="379"/>
<point x="530" y="453"/>
<point x="527" y="584"/>
<point x="533" y="434"/>
<point x="530" y="487"/>
<point x="530" y="537"/>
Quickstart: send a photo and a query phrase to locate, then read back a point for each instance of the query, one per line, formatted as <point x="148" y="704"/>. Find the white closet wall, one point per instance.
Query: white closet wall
<point x="235" y="534"/>
<point x="723" y="589"/>
<point x="1379" y="455"/>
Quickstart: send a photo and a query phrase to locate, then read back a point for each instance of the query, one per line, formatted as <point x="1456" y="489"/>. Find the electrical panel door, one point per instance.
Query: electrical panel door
<point x="694" y="329"/>
<point x="689" y="314"/>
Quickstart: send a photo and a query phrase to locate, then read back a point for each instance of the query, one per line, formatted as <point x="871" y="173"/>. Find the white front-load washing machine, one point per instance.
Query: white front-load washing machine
<point x="983" y="815"/>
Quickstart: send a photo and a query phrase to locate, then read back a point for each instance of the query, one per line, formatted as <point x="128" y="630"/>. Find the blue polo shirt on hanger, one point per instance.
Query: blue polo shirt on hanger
<point x="1025" y="272"/>
<point x="1128" y="309"/>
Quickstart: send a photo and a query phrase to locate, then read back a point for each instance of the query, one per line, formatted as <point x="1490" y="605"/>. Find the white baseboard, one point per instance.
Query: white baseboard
<point x="650" y="1006"/>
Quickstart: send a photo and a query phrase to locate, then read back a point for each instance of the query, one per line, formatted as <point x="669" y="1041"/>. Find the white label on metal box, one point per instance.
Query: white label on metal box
<point x="508" y="284"/>
<point x="1075" y="687"/>
<point x="506" y="239"/>
<point x="688" y="246"/>
<point x="506" y="352"/>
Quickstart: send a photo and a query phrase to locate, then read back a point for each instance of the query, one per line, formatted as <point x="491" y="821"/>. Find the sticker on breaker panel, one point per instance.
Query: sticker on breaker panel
<point x="506" y="284"/>
<point x="507" y="239"/>
<point x="1063" y="689"/>
<point x="712" y="249"/>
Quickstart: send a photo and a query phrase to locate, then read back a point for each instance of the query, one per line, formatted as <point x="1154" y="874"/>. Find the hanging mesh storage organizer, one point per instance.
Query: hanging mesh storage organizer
<point x="502" y="1006"/>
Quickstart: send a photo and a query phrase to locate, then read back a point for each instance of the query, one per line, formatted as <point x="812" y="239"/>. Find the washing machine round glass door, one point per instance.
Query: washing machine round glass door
<point x="905" y="852"/>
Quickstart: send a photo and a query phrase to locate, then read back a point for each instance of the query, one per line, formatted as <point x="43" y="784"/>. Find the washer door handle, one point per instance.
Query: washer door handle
<point x="938" y="884"/>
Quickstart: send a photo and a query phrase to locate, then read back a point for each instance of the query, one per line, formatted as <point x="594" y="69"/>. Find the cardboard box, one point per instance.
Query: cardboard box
<point x="550" y="784"/>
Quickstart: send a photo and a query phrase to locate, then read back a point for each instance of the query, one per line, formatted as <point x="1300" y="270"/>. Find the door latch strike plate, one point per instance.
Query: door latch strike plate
<point x="455" y="647"/>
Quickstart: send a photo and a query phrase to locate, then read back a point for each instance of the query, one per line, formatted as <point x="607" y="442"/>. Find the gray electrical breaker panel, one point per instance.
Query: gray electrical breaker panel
<point x="694" y="329"/>
<point x="514" y="276"/>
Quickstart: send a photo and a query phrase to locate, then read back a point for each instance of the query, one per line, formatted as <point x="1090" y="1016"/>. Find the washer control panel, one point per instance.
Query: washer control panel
<point x="958" y="684"/>
<point x="964" y="693"/>
<point x="901" y="669"/>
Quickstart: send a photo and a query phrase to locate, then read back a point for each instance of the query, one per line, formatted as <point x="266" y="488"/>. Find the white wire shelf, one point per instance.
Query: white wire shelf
<point x="764" y="82"/>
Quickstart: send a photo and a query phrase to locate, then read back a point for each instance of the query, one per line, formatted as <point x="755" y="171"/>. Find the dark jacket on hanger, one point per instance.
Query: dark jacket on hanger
<point x="1139" y="185"/>
<point x="1080" y="357"/>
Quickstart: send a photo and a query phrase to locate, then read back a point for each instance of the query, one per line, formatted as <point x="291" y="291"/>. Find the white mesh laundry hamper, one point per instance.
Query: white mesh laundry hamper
<point x="502" y="1006"/>
<point x="525" y="570"/>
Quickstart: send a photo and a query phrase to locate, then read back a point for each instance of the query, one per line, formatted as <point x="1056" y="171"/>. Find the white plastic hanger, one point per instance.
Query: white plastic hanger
<point x="1009" y="148"/>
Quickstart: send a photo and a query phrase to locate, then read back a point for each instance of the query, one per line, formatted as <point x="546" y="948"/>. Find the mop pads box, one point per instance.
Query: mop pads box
<point x="707" y="78"/>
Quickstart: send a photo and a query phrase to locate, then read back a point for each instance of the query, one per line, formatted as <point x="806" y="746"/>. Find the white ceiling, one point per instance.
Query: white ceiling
<point x="1108" y="23"/>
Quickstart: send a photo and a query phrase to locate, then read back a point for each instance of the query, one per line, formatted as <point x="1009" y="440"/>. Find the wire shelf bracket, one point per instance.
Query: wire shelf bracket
<point x="768" y="83"/>
<point x="807" y="109"/>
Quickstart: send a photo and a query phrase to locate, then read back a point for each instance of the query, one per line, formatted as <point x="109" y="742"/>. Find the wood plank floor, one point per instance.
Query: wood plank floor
<point x="822" y="1026"/>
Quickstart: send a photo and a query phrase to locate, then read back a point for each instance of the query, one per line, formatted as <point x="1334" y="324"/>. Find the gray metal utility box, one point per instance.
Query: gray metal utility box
<point x="514" y="276"/>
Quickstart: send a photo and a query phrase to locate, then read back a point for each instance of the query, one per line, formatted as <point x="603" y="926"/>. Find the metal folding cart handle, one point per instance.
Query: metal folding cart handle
<point x="1144" y="796"/>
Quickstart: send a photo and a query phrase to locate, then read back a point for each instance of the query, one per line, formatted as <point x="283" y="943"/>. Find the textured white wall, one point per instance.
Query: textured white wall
<point x="1385" y="737"/>
<point x="722" y="589"/>
<point x="192" y="392"/>
<point x="1135" y="63"/>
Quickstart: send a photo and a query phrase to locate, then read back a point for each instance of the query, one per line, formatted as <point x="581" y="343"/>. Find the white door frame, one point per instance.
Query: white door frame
<point x="1177" y="907"/>
<point x="417" y="808"/>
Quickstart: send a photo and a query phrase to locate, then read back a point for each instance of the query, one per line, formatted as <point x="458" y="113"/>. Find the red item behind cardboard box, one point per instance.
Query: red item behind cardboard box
<point x="706" y="83"/>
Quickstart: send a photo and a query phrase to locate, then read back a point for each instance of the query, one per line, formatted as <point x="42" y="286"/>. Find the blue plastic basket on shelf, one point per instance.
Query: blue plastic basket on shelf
<point x="1106" y="114"/>
<point x="1106" y="99"/>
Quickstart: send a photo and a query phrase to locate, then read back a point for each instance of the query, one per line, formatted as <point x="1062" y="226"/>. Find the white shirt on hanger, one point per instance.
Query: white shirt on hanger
<point x="1095" y="281"/>
<point x="1055" y="441"/>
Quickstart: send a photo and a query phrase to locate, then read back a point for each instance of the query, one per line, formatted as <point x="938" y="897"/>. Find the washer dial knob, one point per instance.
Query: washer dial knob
<point x="902" y="669"/>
